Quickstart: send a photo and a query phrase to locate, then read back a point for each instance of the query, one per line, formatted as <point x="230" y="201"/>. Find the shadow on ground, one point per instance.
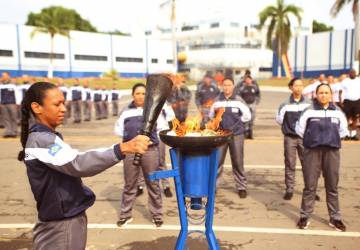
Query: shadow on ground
<point x="168" y="243"/>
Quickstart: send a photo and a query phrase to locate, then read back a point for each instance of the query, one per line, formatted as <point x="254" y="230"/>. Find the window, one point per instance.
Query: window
<point x="129" y="59"/>
<point x="169" y="61"/>
<point x="215" y="25"/>
<point x="6" y="53"/>
<point x="265" y="69"/>
<point x="187" y="28"/>
<point x="43" y="55"/>
<point x="90" y="58"/>
<point x="154" y="60"/>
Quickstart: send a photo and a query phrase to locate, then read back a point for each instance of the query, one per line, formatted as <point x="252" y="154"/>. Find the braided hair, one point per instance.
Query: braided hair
<point x="36" y="93"/>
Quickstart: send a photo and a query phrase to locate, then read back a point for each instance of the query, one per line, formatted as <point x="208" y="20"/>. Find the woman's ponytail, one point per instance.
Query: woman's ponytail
<point x="25" y="116"/>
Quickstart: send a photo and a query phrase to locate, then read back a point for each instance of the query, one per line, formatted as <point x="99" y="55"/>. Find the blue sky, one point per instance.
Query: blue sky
<point x="130" y="15"/>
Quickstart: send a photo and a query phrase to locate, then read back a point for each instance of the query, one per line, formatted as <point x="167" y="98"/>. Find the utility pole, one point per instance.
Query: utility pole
<point x="173" y="34"/>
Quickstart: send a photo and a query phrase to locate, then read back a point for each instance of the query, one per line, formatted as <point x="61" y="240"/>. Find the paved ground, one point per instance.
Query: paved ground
<point x="263" y="220"/>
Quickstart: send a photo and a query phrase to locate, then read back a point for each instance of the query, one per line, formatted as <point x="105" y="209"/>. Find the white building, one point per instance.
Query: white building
<point x="83" y="54"/>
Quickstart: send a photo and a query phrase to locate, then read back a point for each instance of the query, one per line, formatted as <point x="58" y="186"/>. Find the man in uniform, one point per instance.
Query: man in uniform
<point x="115" y="96"/>
<point x="76" y="92"/>
<point x="250" y="93"/>
<point x="205" y="96"/>
<point x="179" y="98"/>
<point x="87" y="103"/>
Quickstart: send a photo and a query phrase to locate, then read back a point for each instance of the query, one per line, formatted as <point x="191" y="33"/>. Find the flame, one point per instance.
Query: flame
<point x="193" y="125"/>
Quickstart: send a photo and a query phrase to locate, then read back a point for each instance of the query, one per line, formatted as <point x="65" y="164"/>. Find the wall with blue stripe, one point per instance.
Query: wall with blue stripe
<point x="326" y="52"/>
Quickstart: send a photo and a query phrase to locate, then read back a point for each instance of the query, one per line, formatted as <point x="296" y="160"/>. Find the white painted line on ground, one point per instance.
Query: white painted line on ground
<point x="246" y="166"/>
<point x="216" y="228"/>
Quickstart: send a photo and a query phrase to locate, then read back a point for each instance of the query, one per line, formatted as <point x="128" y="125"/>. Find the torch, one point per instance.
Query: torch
<point x="158" y="88"/>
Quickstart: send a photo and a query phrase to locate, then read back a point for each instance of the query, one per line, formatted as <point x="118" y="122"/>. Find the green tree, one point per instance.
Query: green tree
<point x="320" y="27"/>
<point x="69" y="18"/>
<point x="51" y="21"/>
<point x="279" y="28"/>
<point x="337" y="7"/>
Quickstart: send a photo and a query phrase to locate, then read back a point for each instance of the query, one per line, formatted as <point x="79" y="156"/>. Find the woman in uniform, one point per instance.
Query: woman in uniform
<point x="128" y="127"/>
<point x="321" y="125"/>
<point x="54" y="169"/>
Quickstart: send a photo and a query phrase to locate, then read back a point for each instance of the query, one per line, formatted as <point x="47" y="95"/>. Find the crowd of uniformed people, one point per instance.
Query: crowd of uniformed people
<point x="80" y="100"/>
<point x="313" y="120"/>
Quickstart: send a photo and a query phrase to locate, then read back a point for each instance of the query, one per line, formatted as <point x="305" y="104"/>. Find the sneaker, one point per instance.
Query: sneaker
<point x="157" y="221"/>
<point x="140" y="191"/>
<point x="338" y="225"/>
<point x="124" y="221"/>
<point x="303" y="223"/>
<point x="242" y="194"/>
<point x="288" y="196"/>
<point x="168" y="192"/>
<point x="317" y="197"/>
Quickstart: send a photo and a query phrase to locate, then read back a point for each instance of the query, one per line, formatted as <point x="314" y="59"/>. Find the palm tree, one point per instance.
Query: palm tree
<point x="337" y="7"/>
<point x="51" y="21"/>
<point x="279" y="28"/>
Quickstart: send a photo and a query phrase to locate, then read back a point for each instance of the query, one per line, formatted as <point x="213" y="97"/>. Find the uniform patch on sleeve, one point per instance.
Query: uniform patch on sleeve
<point x="54" y="149"/>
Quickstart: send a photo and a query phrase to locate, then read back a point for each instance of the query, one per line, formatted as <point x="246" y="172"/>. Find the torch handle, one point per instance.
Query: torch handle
<point x="137" y="159"/>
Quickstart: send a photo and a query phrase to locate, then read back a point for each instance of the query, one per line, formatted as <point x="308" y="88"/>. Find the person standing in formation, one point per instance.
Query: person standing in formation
<point x="87" y="101"/>
<point x="179" y="99"/>
<point x="97" y="100"/>
<point x="76" y="98"/>
<point x="10" y="98"/>
<point x="128" y="127"/>
<point x="321" y="125"/>
<point x="287" y="116"/>
<point x="233" y="119"/>
<point x="115" y="96"/>
<point x="205" y="95"/>
<point x="250" y="93"/>
<point x="350" y="96"/>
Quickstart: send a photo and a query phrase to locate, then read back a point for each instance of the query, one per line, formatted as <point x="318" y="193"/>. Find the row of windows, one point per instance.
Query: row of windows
<point x="44" y="55"/>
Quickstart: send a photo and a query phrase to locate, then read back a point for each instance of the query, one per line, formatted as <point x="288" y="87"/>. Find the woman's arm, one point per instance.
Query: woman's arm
<point x="61" y="157"/>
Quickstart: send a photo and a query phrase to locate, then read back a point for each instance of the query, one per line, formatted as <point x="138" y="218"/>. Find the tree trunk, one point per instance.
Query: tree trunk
<point x="279" y="58"/>
<point x="50" y="70"/>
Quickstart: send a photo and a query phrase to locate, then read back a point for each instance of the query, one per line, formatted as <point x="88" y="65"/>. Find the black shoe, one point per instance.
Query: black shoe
<point x="124" y="221"/>
<point x="354" y="138"/>
<point x="338" y="225"/>
<point x="140" y="191"/>
<point x="242" y="194"/>
<point x="288" y="196"/>
<point x="168" y="192"/>
<point x="158" y="222"/>
<point x="303" y="223"/>
<point x="317" y="197"/>
<point x="250" y="135"/>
